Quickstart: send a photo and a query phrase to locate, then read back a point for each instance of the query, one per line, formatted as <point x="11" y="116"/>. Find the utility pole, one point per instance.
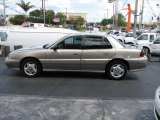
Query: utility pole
<point x="116" y="13"/>
<point x="66" y="17"/>
<point x="113" y="14"/>
<point x="141" y="20"/>
<point x="135" y="18"/>
<point x="66" y="12"/>
<point x="44" y="11"/>
<point x="4" y="12"/>
<point x="42" y="5"/>
<point x="107" y="13"/>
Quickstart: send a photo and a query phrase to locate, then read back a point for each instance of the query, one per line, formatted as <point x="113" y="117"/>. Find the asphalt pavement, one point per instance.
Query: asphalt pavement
<point x="139" y="85"/>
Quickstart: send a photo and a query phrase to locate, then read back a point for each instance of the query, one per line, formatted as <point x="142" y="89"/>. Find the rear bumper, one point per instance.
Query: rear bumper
<point x="138" y="63"/>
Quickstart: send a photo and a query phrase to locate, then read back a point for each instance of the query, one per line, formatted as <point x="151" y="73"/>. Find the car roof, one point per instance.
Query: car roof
<point x="89" y="34"/>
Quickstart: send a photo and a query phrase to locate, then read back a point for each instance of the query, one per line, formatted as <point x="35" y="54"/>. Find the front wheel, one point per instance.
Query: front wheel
<point x="31" y="68"/>
<point x="116" y="70"/>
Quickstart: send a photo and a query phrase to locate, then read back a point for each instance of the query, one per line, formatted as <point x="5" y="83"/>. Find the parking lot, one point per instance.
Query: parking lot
<point x="78" y="95"/>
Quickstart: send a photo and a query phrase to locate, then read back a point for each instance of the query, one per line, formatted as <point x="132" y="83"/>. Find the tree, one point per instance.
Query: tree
<point x="121" y="20"/>
<point x="25" y="6"/>
<point x="105" y="22"/>
<point x="62" y="18"/>
<point x="80" y="21"/>
<point x="77" y="22"/>
<point x="37" y="16"/>
<point x="17" y="20"/>
<point x="36" y="13"/>
<point x="49" y="16"/>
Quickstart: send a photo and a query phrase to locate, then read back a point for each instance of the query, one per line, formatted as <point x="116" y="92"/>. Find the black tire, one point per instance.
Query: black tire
<point x="34" y="67"/>
<point x="146" y="51"/>
<point x="121" y="69"/>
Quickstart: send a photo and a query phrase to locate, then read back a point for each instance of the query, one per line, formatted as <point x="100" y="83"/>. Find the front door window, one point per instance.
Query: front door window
<point x="73" y="42"/>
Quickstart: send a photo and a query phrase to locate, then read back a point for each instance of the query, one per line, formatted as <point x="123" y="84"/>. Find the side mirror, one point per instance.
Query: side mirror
<point x="55" y="48"/>
<point x="45" y="45"/>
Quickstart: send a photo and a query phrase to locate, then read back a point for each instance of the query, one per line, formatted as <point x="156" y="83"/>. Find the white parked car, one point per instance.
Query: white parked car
<point x="127" y="38"/>
<point x="145" y="40"/>
<point x="111" y="32"/>
<point x="155" y="47"/>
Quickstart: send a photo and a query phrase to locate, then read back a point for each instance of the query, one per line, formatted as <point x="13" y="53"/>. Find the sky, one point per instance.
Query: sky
<point x="96" y="9"/>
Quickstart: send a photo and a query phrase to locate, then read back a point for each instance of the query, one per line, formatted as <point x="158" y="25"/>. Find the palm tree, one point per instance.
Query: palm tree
<point x="25" y="6"/>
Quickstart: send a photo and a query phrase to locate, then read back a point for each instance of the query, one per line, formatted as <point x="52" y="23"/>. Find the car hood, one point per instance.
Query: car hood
<point x="29" y="49"/>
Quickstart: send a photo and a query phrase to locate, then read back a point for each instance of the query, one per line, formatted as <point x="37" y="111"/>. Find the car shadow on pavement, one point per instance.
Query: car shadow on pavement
<point x="85" y="75"/>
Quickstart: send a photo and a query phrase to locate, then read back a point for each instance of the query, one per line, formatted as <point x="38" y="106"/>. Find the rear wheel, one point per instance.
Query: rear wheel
<point x="31" y="68"/>
<point x="116" y="70"/>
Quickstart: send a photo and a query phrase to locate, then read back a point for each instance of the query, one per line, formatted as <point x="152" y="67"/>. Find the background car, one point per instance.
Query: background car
<point x="155" y="47"/>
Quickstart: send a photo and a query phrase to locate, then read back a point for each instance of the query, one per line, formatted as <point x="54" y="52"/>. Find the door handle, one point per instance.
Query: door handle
<point x="75" y="54"/>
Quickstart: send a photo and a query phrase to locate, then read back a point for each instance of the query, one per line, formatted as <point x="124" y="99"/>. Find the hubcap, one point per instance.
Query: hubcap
<point x="117" y="70"/>
<point x="30" y="68"/>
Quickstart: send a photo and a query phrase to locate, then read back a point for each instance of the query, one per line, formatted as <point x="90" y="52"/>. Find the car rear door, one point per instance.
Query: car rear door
<point x="97" y="51"/>
<point x="67" y="55"/>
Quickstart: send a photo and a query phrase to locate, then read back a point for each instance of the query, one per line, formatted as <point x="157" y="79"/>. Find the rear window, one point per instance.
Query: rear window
<point x="116" y="42"/>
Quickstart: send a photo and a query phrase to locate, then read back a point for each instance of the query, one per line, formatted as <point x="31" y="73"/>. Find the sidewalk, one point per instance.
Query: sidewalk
<point x="45" y="108"/>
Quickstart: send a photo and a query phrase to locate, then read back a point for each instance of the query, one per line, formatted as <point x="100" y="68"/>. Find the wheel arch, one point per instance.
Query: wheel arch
<point x="25" y="58"/>
<point x="130" y="43"/>
<point x="118" y="59"/>
<point x="145" y="47"/>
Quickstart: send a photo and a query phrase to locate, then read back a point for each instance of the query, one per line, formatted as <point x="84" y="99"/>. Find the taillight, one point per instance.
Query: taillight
<point x="142" y="53"/>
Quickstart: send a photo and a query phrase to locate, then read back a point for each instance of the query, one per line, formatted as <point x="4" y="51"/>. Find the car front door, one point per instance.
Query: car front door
<point x="143" y="39"/>
<point x="97" y="50"/>
<point x="156" y="47"/>
<point x="65" y="55"/>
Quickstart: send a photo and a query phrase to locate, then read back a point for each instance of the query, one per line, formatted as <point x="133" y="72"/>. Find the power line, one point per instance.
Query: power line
<point x="151" y="8"/>
<point x="123" y="6"/>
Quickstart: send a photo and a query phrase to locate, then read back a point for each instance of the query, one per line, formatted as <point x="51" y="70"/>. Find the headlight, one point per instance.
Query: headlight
<point x="9" y="56"/>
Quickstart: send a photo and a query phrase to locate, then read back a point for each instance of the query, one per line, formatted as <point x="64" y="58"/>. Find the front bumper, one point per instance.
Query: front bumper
<point x="12" y="63"/>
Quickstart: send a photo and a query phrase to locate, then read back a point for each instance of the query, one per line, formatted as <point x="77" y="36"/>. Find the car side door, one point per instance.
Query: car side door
<point x="143" y="39"/>
<point x="156" y="47"/>
<point x="66" y="54"/>
<point x="97" y="51"/>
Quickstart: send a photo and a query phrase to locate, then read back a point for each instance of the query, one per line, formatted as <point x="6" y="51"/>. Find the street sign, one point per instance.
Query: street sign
<point x="110" y="1"/>
<point x="56" y="20"/>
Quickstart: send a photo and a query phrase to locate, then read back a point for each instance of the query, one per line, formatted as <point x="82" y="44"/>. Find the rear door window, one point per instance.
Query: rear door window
<point x="96" y="42"/>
